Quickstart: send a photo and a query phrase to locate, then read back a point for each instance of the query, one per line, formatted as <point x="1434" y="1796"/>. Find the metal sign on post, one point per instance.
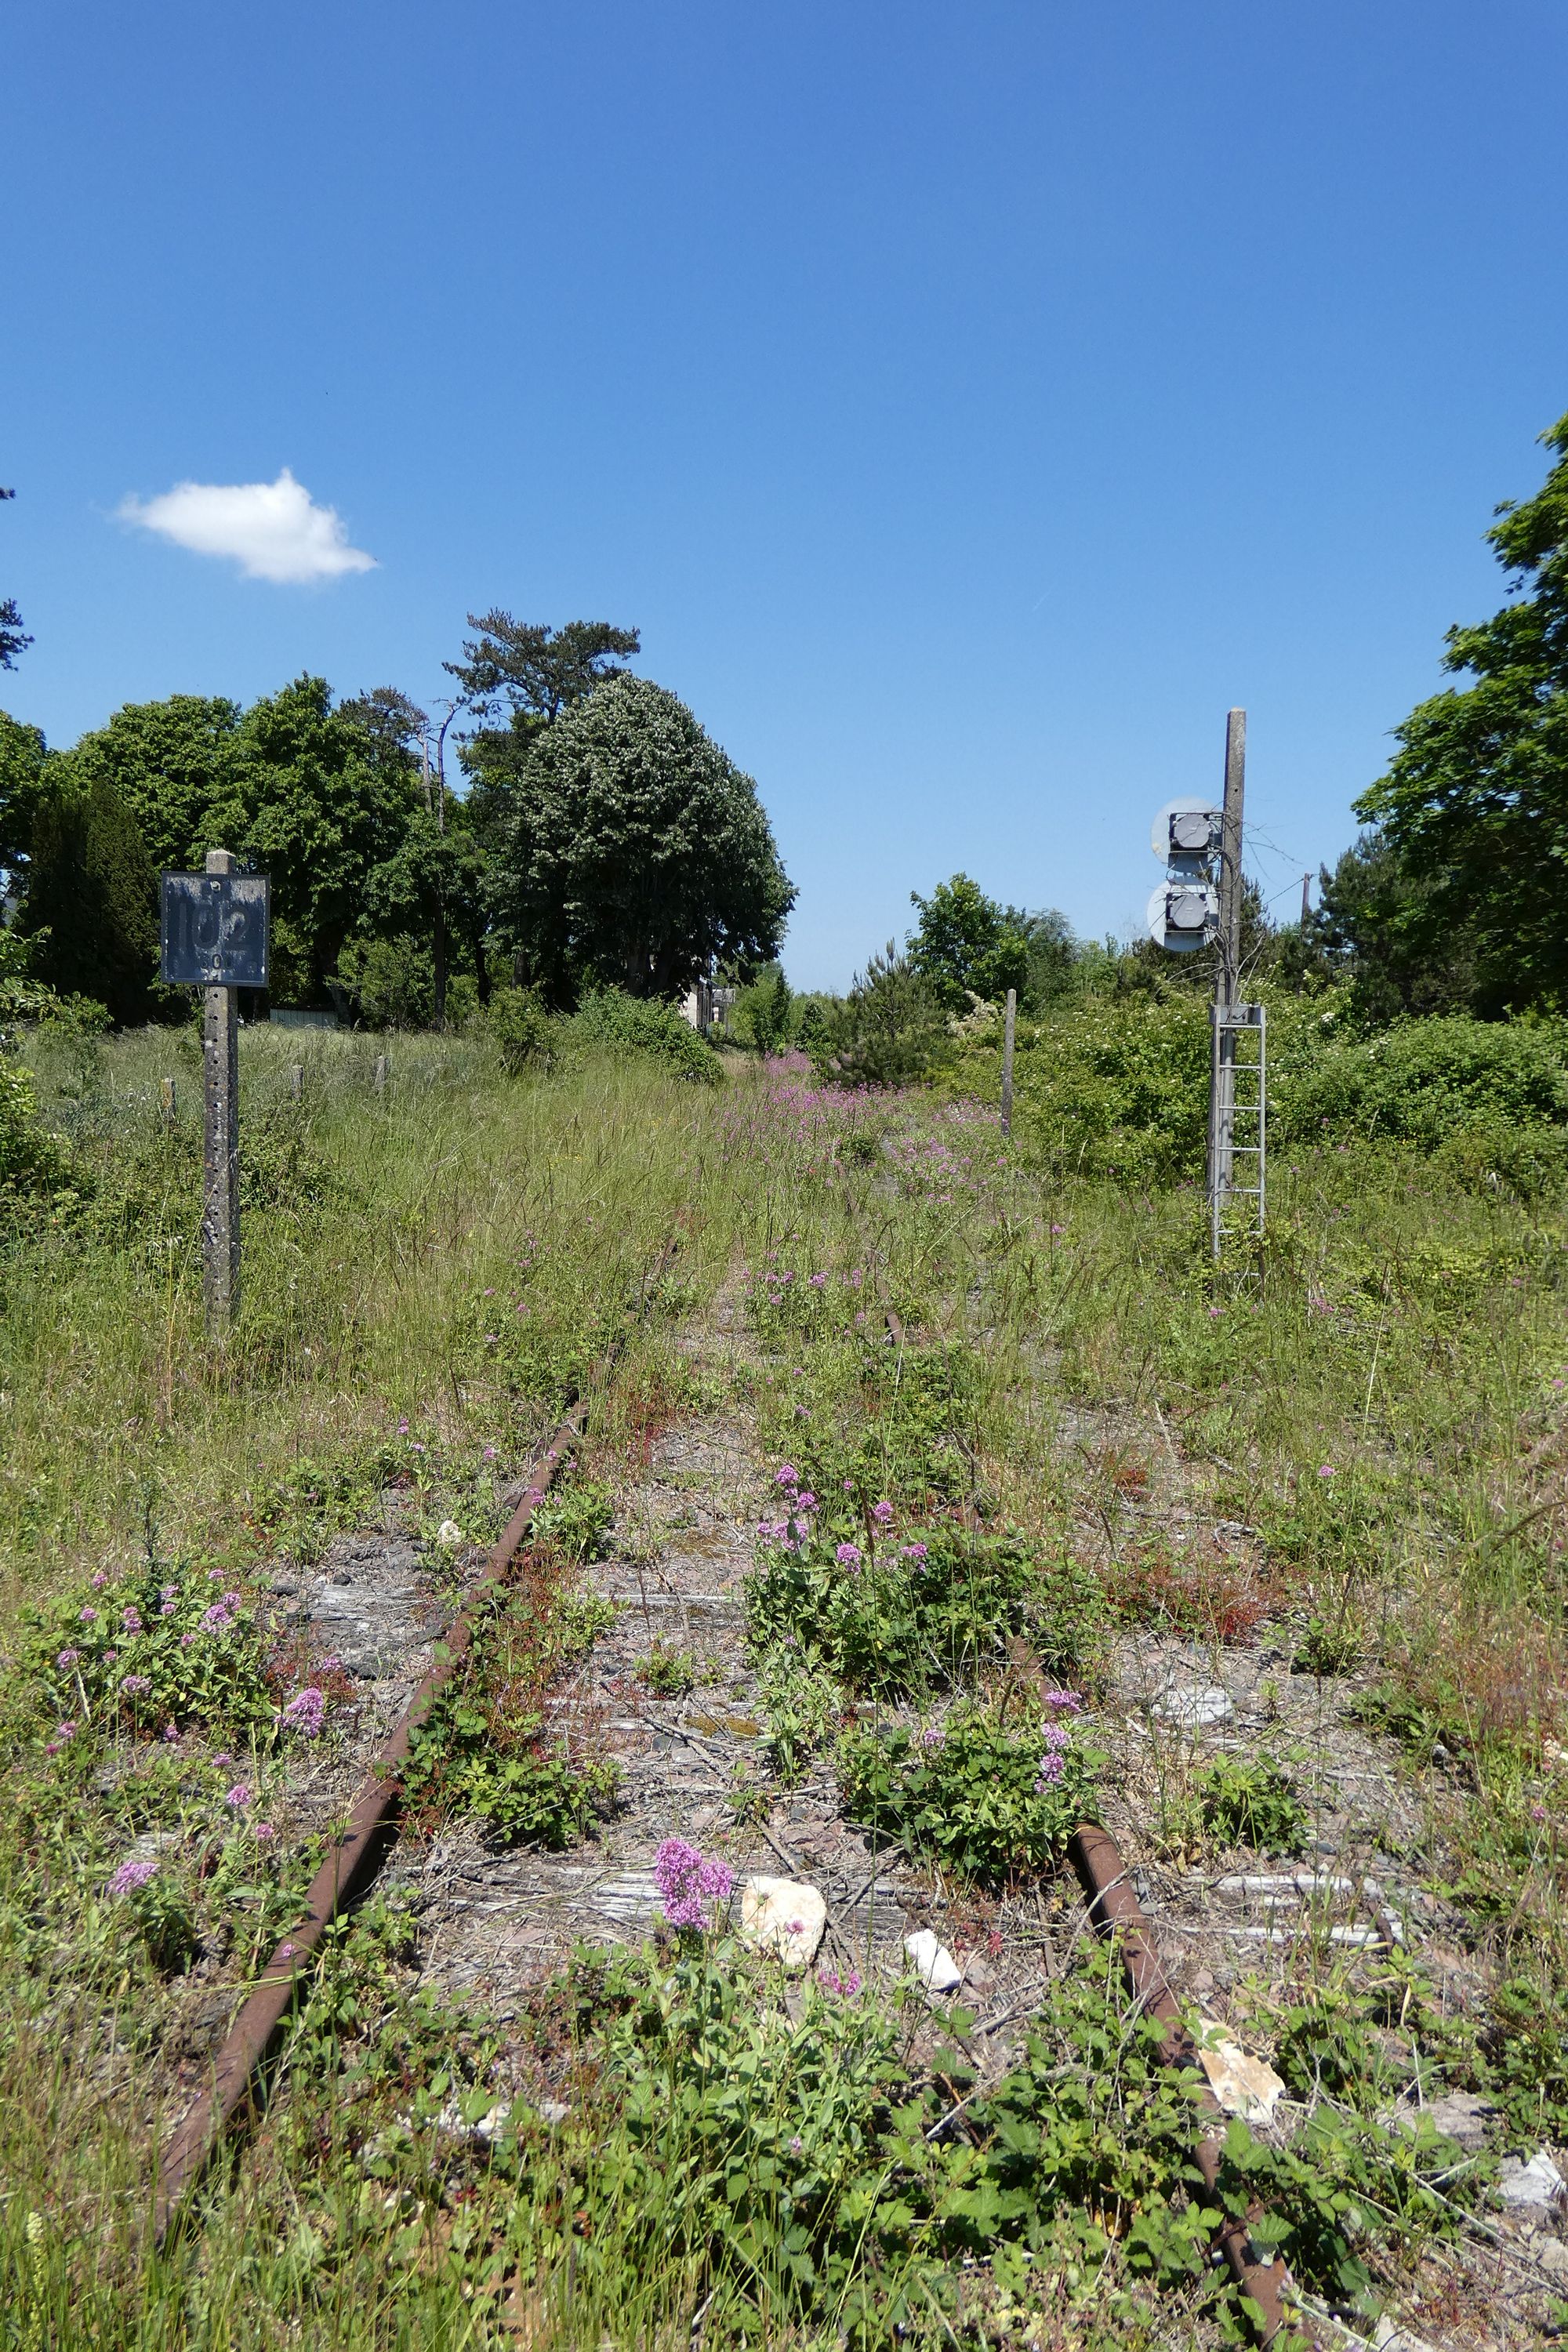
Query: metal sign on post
<point x="1199" y="905"/>
<point x="214" y="937"/>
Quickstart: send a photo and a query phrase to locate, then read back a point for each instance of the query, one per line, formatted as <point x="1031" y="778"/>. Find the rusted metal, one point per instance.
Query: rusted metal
<point x="350" y="1865"/>
<point x="1115" y="1908"/>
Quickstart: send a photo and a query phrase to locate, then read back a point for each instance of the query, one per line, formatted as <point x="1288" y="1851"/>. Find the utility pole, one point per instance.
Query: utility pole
<point x="220" y="1142"/>
<point x="1306" y="900"/>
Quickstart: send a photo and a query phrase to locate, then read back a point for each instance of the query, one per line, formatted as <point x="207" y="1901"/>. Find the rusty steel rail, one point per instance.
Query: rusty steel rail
<point x="358" y="1848"/>
<point x="355" y="1855"/>
<point x="1114" y="1909"/>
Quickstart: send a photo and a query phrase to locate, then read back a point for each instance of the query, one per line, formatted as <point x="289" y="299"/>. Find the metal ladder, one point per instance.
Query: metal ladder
<point x="1240" y="1125"/>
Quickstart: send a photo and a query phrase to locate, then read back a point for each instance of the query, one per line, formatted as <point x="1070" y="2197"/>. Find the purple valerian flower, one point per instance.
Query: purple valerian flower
<point x="65" y="1732"/>
<point x="1049" y="1773"/>
<point x="847" y="1555"/>
<point x="130" y="1875"/>
<point x="932" y="1735"/>
<point x="216" y="1620"/>
<point x="171" y="1731"/>
<point x="238" y="1798"/>
<point x="881" y="1513"/>
<point x="1325" y="1469"/>
<point x="89" y="1617"/>
<point x="221" y="1758"/>
<point x="305" y="1713"/>
<point x="1072" y="1700"/>
<point x="134" y="1686"/>
<point x="265" y="1833"/>
<point x="101" y="1578"/>
<point x="67" y="1659"/>
<point x="849" y="1486"/>
<point x="796" y="2144"/>
<point x="787" y="1474"/>
<point x="168" y="1608"/>
<point x="489" y="1454"/>
<point x="214" y="1576"/>
<point x="817" y="1281"/>
<point x="1056" y="1736"/>
<point x="688" y="1884"/>
<point x="187" y="1640"/>
<point x="806" y="1502"/>
<point x="912" y="1552"/>
<point x="167" y="1592"/>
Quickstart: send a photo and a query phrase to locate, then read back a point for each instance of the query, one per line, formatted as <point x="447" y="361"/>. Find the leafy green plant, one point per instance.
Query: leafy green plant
<point x="1253" y="1805"/>
<point x="166" y="1644"/>
<point x="575" y="1518"/>
<point x="667" y="1674"/>
<point x="928" y="1613"/>
<point x="989" y="1802"/>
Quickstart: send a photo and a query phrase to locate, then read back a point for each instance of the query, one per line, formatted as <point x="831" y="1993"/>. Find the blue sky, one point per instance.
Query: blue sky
<point x="968" y="404"/>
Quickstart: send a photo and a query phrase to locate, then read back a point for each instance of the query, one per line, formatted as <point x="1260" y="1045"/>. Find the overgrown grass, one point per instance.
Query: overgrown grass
<point x="430" y="1270"/>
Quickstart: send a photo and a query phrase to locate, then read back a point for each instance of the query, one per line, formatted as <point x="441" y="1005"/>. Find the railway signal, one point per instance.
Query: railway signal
<point x="1198" y="905"/>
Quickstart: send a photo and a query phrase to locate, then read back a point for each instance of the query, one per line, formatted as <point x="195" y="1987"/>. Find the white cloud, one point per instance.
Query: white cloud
<point x="274" y="531"/>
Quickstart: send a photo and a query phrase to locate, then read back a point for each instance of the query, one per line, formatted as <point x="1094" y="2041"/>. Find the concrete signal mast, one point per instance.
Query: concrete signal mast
<point x="1198" y="905"/>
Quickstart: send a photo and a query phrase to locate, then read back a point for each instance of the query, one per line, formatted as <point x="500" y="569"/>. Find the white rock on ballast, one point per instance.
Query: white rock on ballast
<point x="934" y="1963"/>
<point x="783" y="1917"/>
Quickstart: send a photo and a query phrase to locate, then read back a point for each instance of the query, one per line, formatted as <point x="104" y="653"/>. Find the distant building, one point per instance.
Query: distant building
<point x="707" y="1006"/>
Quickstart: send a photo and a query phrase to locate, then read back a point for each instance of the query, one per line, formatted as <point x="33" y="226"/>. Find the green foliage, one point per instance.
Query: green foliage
<point x="635" y="854"/>
<point x="92" y="897"/>
<point x="22" y="767"/>
<point x="33" y="1163"/>
<point x="988" y="1801"/>
<point x="1253" y="1805"/>
<point x="520" y="1027"/>
<point x="762" y="1016"/>
<point x="964" y="946"/>
<point x="574" y="1519"/>
<point x="391" y="981"/>
<point x="533" y="1793"/>
<point x="170" y="764"/>
<point x="174" y="1643"/>
<point x="609" y="1017"/>
<point x="1474" y="806"/>
<point x="913" y="1616"/>
<point x="667" y="1674"/>
<point x="890" y="1031"/>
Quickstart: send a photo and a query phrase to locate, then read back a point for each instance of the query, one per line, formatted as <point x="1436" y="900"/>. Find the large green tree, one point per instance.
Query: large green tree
<point x="1474" y="808"/>
<point x="634" y="852"/>
<point x="964" y="945"/>
<point x="14" y="639"/>
<point x="316" y="802"/>
<point x="175" y="766"/>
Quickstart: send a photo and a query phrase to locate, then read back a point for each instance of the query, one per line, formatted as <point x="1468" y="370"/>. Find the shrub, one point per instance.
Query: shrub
<point x="1425" y="1082"/>
<point x="608" y="1017"/>
<point x="927" y="1615"/>
<point x="33" y="1161"/>
<point x="521" y="1027"/>
<point x="981" y="1799"/>
<point x="889" y="1030"/>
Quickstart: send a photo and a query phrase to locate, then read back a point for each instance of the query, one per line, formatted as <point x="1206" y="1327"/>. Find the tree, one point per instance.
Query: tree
<point x="1474" y="808"/>
<point x="23" y="755"/>
<point x="888" y="1031"/>
<point x="172" y="764"/>
<point x="532" y="671"/>
<point x="317" y="804"/>
<point x="761" y="1014"/>
<point x="92" y="899"/>
<point x="635" y="853"/>
<point x="1373" y="926"/>
<point x="1051" y="955"/>
<point x="14" y="639"/>
<point x="964" y="946"/>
